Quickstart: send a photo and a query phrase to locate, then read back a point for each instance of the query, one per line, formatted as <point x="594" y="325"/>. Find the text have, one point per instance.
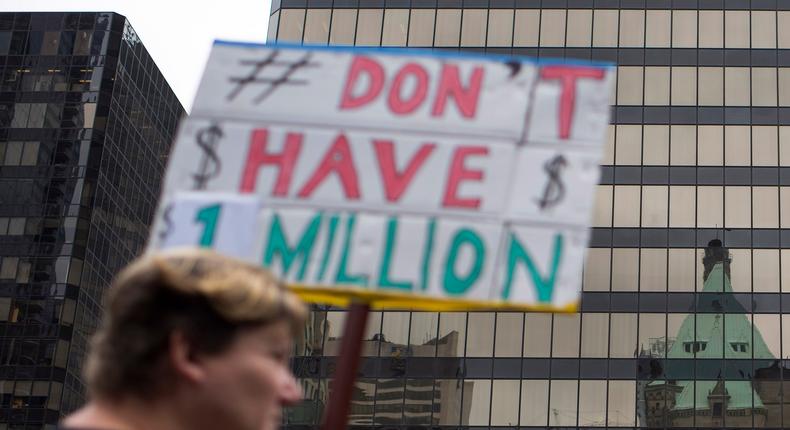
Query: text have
<point x="341" y="162"/>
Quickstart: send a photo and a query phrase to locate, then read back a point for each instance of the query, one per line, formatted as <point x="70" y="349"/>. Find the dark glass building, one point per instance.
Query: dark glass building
<point x="687" y="284"/>
<point x="86" y="122"/>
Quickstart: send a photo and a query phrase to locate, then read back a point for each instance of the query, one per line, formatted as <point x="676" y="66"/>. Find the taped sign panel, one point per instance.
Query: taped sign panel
<point x="409" y="180"/>
<point x="386" y="92"/>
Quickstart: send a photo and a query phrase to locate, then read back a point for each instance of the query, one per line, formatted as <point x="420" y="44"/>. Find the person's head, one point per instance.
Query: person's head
<point x="196" y="328"/>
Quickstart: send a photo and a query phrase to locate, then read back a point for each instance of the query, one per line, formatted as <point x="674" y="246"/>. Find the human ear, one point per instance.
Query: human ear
<point x="183" y="358"/>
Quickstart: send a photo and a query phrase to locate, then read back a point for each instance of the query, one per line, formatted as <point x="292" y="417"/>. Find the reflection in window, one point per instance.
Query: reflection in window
<point x="764" y="86"/>
<point x="621" y="411"/>
<point x="421" y="27"/>
<point x="537" y="335"/>
<point x="623" y="336"/>
<point x="710" y="141"/>
<point x="361" y="410"/>
<point x="764" y="145"/>
<point x="562" y="403"/>
<point x="500" y="27"/>
<point x="447" y="401"/>
<point x="713" y="23"/>
<point x="477" y="401"/>
<point x="473" y="27"/>
<point x="683" y="145"/>
<point x="396" y="22"/>
<point x="592" y="403"/>
<point x="596" y="270"/>
<point x="448" y="27"/>
<point x="534" y="402"/>
<point x="736" y="24"/>
<point x="579" y="28"/>
<point x="526" y="28"/>
<point x="271" y="32"/>
<point x="389" y="397"/>
<point x="625" y="269"/>
<point x="291" y="25"/>
<point x="605" y="24"/>
<point x="740" y="395"/>
<point x="344" y="23"/>
<point x="504" y="402"/>
<point x="684" y="29"/>
<point x="452" y="334"/>
<point x="552" y="27"/>
<point x="508" y="324"/>
<point x="652" y="341"/>
<point x="737" y="146"/>
<point x="317" y="26"/>
<point x="566" y="335"/>
<point x="422" y="334"/>
<point x="419" y="400"/>
<point x="657" y="31"/>
<point x="595" y="335"/>
<point x="693" y="347"/>
<point x="395" y="328"/>
<point x="480" y="334"/>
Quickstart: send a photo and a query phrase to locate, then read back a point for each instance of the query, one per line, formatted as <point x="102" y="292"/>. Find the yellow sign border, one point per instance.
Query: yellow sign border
<point x="343" y="296"/>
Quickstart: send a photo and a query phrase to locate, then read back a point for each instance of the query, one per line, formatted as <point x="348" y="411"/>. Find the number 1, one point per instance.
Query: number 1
<point x="208" y="216"/>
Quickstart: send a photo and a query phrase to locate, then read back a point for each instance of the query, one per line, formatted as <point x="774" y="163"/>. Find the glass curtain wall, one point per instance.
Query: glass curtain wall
<point x="688" y="273"/>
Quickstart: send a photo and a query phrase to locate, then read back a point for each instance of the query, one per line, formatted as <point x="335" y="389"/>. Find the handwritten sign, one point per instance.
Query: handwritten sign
<point x="410" y="179"/>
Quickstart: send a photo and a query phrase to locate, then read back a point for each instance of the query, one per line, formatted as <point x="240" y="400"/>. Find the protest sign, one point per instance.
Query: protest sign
<point x="409" y="179"/>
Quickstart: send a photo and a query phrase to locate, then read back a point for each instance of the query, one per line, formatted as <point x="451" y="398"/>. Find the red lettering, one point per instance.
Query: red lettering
<point x="374" y="72"/>
<point x="395" y="182"/>
<point x="399" y="106"/>
<point x="450" y="85"/>
<point x="458" y="173"/>
<point x="258" y="157"/>
<point x="337" y="159"/>
<point x="568" y="77"/>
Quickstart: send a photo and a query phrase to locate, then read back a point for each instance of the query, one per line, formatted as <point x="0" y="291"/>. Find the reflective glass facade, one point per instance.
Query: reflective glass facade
<point x="86" y="121"/>
<point x="681" y="322"/>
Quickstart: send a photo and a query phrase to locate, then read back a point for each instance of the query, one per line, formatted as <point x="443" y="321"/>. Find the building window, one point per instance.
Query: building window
<point x="317" y="26"/>
<point x="694" y="347"/>
<point x="579" y="28"/>
<point x="421" y="27"/>
<point x="396" y="23"/>
<point x="344" y="25"/>
<point x="448" y="27"/>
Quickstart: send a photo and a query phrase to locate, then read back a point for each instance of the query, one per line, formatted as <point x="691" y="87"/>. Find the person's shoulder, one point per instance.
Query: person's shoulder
<point x="65" y="427"/>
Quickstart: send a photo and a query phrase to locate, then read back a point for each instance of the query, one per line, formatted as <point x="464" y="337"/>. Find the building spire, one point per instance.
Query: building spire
<point x="716" y="253"/>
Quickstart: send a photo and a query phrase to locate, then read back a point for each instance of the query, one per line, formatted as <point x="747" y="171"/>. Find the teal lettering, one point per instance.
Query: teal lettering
<point x="278" y="245"/>
<point x="426" y="261"/>
<point x="545" y="286"/>
<point x="342" y="276"/>
<point x="330" y="240"/>
<point x="209" y="216"/>
<point x="386" y="259"/>
<point x="452" y="283"/>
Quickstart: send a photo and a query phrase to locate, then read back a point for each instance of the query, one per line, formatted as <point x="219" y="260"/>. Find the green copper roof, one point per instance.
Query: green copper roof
<point x="716" y="333"/>
<point x="740" y="393"/>
<point x="716" y="336"/>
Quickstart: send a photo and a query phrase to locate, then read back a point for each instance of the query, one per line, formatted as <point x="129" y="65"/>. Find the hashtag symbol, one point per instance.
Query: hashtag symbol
<point x="271" y="84"/>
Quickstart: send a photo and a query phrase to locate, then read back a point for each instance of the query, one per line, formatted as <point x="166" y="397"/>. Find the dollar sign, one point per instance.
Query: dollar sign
<point x="207" y="139"/>
<point x="554" y="190"/>
<point x="166" y="218"/>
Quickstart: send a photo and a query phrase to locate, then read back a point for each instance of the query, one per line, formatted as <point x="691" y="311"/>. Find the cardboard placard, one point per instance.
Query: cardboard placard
<point x="408" y="179"/>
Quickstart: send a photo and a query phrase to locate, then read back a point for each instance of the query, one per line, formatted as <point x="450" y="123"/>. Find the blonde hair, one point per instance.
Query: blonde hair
<point x="206" y="296"/>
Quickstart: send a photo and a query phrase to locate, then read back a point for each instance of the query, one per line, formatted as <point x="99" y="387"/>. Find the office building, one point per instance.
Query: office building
<point x="86" y="122"/>
<point x="681" y="322"/>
